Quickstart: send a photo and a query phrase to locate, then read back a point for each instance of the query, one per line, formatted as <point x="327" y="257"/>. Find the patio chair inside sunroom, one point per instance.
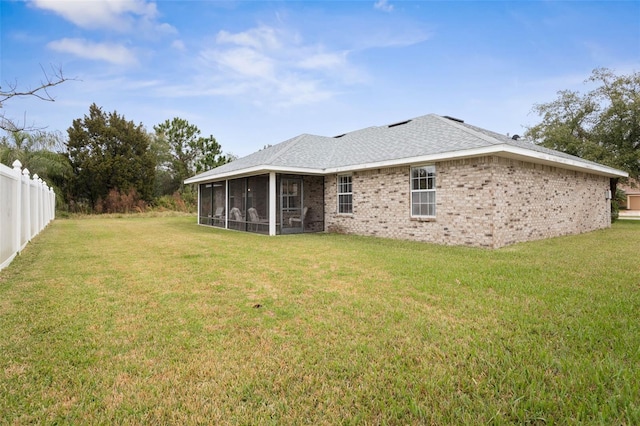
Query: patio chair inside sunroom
<point x="243" y="204"/>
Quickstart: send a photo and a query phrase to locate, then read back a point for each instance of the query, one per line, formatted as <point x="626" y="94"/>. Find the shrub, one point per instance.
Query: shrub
<point x="121" y="202"/>
<point x="618" y="200"/>
<point x="180" y="202"/>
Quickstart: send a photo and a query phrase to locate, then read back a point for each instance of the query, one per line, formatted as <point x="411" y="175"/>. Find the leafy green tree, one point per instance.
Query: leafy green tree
<point x="163" y="183"/>
<point x="184" y="152"/>
<point x="40" y="153"/>
<point x="107" y="153"/>
<point x="602" y="125"/>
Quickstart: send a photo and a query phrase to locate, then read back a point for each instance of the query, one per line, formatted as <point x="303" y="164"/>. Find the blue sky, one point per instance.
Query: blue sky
<point x="253" y="73"/>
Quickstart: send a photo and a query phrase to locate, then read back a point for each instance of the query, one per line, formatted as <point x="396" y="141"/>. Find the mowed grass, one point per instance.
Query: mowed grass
<point x="155" y="320"/>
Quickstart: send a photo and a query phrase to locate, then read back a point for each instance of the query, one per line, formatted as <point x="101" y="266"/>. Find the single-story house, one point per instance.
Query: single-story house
<point x="633" y="199"/>
<point x="431" y="178"/>
<point x="631" y="203"/>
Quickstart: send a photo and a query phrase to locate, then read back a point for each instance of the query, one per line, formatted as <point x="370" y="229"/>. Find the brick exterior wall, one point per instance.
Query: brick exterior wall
<point x="484" y="202"/>
<point x="314" y="200"/>
<point x="536" y="202"/>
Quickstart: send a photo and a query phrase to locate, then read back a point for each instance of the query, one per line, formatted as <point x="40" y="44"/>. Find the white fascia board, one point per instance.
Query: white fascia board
<point x="569" y="163"/>
<point x="503" y="150"/>
<point x="252" y="171"/>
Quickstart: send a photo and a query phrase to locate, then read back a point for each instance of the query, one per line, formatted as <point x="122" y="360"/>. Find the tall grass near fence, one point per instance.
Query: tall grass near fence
<point x="27" y="205"/>
<point x="138" y="320"/>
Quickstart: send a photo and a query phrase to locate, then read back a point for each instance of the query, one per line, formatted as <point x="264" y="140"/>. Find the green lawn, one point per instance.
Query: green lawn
<point x="155" y="320"/>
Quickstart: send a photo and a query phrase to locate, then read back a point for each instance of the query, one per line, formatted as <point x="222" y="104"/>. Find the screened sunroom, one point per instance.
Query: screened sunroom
<point x="270" y="203"/>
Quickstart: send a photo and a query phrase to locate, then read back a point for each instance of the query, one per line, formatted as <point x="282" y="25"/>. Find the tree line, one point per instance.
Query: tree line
<point x="601" y="125"/>
<point x="110" y="164"/>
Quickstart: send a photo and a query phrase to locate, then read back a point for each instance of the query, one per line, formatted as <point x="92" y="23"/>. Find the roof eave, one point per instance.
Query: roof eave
<point x="567" y="163"/>
<point x="252" y="171"/>
<point x="503" y="150"/>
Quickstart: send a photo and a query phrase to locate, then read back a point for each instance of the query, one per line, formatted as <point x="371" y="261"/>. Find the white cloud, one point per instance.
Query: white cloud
<point x="164" y="28"/>
<point x="272" y="66"/>
<point x="324" y="60"/>
<point x="296" y="92"/>
<point x="263" y="38"/>
<point x="383" y="5"/>
<point x="243" y="61"/>
<point x="385" y="38"/>
<point x="108" y="52"/>
<point x="118" y="15"/>
<point x="178" y="45"/>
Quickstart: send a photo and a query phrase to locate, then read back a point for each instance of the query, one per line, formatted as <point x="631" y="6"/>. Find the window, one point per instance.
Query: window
<point x="290" y="197"/>
<point x="423" y="191"/>
<point x="345" y="194"/>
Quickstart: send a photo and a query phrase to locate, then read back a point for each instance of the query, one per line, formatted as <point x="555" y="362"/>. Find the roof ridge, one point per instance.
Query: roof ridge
<point x="332" y="149"/>
<point x="289" y="144"/>
<point x="429" y="137"/>
<point x="518" y="144"/>
<point x="466" y="129"/>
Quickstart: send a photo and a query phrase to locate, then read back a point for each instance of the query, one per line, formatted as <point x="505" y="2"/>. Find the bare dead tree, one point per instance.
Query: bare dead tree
<point x="51" y="79"/>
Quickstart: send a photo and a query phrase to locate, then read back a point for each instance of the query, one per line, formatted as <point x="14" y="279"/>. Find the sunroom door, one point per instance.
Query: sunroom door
<point x="291" y="220"/>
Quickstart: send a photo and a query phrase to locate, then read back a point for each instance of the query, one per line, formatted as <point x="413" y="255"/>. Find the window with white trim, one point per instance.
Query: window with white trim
<point x="423" y="191"/>
<point x="345" y="194"/>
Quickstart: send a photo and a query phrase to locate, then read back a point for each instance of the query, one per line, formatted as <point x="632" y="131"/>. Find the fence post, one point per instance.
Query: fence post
<point x="52" y="203"/>
<point x="26" y="198"/>
<point x="36" y="209"/>
<point x="41" y="201"/>
<point x="17" y="205"/>
<point x="47" y="204"/>
<point x="40" y="204"/>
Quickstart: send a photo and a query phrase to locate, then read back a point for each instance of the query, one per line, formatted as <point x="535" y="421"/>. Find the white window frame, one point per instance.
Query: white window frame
<point x="423" y="190"/>
<point x="343" y="193"/>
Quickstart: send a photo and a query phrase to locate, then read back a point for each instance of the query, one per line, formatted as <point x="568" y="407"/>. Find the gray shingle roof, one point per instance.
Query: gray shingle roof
<point x="418" y="138"/>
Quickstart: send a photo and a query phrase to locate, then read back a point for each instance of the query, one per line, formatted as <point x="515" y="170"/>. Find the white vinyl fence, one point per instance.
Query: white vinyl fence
<point x="27" y="205"/>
